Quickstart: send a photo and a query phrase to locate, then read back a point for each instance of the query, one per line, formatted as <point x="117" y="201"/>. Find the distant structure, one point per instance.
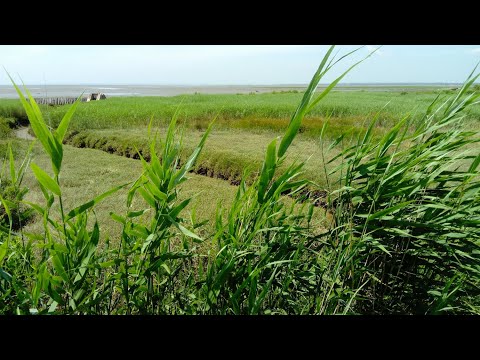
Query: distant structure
<point x="95" y="96"/>
<point x="55" y="101"/>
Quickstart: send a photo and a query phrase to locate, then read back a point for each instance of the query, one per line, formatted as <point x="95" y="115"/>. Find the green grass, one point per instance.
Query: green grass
<point x="225" y="156"/>
<point x="150" y="269"/>
<point x="407" y="212"/>
<point x="244" y="121"/>
<point x="89" y="173"/>
<point x="255" y="111"/>
<point x="400" y="235"/>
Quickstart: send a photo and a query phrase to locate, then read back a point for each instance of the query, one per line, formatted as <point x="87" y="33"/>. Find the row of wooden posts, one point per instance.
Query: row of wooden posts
<point x="69" y="100"/>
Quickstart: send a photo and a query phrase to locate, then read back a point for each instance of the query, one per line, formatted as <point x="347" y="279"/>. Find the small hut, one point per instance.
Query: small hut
<point x="96" y="96"/>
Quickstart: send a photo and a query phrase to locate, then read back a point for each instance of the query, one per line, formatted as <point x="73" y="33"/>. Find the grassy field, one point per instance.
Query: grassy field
<point x="256" y="111"/>
<point x="244" y="124"/>
<point x="226" y="155"/>
<point x="161" y="231"/>
<point x="198" y="110"/>
<point x="243" y="129"/>
<point x="89" y="173"/>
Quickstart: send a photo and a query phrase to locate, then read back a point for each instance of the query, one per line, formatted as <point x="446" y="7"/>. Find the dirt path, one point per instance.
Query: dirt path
<point x="22" y="133"/>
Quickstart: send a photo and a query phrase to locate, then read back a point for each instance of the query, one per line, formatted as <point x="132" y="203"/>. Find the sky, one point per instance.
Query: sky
<point x="230" y="64"/>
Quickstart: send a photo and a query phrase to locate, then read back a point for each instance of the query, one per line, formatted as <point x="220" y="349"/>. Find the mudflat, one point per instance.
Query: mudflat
<point x="7" y="91"/>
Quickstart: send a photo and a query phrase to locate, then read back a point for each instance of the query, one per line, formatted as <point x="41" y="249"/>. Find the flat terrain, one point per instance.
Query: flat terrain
<point x="7" y="91"/>
<point x="245" y="125"/>
<point x="367" y="244"/>
<point x="88" y="173"/>
<point x="256" y="111"/>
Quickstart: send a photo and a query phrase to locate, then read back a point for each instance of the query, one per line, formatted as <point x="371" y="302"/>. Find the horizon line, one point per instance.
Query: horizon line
<point x="268" y="85"/>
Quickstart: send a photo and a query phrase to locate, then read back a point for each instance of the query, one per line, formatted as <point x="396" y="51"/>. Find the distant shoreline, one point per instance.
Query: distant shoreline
<point x="8" y="92"/>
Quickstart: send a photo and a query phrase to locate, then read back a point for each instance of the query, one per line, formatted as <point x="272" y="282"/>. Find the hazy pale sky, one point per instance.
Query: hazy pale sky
<point x="229" y="64"/>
